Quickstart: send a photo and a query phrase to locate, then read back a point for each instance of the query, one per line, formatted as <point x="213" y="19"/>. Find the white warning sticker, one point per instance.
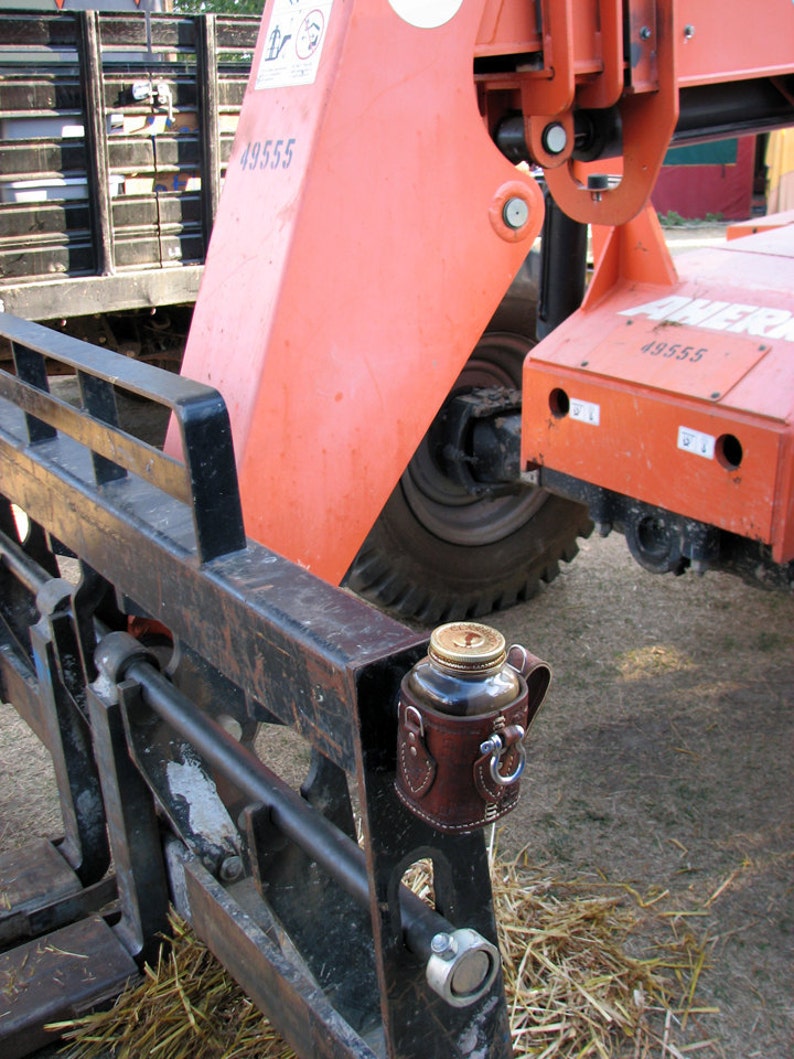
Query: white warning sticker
<point x="697" y="442"/>
<point x="294" y="43"/>
<point x="586" y="412"/>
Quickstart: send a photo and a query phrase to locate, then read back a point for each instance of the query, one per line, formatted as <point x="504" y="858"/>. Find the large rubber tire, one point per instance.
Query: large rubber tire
<point x="437" y="554"/>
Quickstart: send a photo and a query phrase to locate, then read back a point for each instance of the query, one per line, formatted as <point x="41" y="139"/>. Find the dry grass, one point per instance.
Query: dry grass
<point x="642" y="662"/>
<point x="574" y="991"/>
<point x="185" y="1007"/>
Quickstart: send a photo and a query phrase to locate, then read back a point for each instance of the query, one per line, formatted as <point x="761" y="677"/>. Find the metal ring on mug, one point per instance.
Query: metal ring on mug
<point x="414" y="712"/>
<point x="513" y="777"/>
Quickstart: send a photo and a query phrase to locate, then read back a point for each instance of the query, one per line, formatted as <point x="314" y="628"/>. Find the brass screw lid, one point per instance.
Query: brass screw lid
<point x="467" y="646"/>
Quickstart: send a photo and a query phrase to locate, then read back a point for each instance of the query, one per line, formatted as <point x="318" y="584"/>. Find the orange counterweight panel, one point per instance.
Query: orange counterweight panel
<point x="367" y="230"/>
<point x="732" y="40"/>
<point x="678" y="393"/>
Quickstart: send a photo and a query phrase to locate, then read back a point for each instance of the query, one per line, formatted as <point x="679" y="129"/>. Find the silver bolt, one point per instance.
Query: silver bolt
<point x="491" y="745"/>
<point x="231" y="869"/>
<point x="646" y="33"/>
<point x="689" y="32"/>
<point x="443" y="945"/>
<point x="515" y="213"/>
<point x="554" y="138"/>
<point x="597" y="183"/>
<point x="462" y="966"/>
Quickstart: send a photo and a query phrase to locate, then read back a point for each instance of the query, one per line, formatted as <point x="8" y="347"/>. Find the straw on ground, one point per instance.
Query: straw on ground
<point x="573" y="987"/>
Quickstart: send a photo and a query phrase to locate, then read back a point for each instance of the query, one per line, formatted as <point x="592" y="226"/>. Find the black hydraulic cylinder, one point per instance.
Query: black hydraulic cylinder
<point x="563" y="267"/>
<point x="711" y="112"/>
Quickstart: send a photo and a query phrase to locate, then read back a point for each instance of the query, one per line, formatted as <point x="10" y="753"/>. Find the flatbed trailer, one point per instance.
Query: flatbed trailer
<point x="115" y="133"/>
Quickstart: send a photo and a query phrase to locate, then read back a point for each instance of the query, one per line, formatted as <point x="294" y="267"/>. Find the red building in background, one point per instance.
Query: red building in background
<point x="712" y="179"/>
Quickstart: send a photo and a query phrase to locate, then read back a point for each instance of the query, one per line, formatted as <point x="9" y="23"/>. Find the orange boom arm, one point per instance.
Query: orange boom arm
<point x="370" y="225"/>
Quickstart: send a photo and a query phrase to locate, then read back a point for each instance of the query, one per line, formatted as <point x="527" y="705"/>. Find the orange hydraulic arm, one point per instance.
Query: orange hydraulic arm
<point x="367" y="229"/>
<point x="370" y="223"/>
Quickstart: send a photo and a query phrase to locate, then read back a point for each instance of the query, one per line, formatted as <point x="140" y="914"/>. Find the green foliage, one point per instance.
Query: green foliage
<point x="671" y="219"/>
<point x="219" y="7"/>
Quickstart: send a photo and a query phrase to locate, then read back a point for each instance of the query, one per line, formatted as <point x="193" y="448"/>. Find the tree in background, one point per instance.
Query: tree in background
<point x="219" y="7"/>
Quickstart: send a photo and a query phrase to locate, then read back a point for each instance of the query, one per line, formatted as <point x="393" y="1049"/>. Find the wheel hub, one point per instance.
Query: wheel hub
<point x="438" y="500"/>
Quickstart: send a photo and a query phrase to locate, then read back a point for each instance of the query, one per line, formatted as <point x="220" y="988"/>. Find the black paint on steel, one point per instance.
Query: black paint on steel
<point x="24" y="571"/>
<point x="479" y="435"/>
<point x="597" y="134"/>
<point x="297" y="1008"/>
<point x="461" y="874"/>
<point x="294" y="635"/>
<point x="209" y="476"/>
<point x="706" y="113"/>
<point x="719" y="111"/>
<point x="563" y="268"/>
<point x="46" y="412"/>
<point x="665" y="542"/>
<point x="337" y="853"/>
<point x="341" y="956"/>
<point x="284" y="645"/>
<point x="90" y="900"/>
<point x="32" y="369"/>
<point x="68" y="736"/>
<point x="180" y="779"/>
<point x="80" y="966"/>
<point x="99" y="400"/>
<point x="41" y="893"/>
<point x="24" y="568"/>
<point x="133" y="833"/>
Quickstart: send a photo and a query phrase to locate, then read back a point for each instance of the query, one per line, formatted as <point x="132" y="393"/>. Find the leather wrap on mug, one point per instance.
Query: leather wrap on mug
<point x="443" y="774"/>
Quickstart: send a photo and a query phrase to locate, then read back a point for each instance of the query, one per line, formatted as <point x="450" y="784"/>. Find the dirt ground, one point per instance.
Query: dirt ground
<point x="661" y="760"/>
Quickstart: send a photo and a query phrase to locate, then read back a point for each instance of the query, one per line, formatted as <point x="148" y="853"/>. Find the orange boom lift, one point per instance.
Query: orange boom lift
<point x="400" y="415"/>
<point x="373" y="218"/>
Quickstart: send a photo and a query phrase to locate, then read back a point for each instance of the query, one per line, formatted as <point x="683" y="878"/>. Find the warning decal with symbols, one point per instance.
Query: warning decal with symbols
<point x="293" y="43"/>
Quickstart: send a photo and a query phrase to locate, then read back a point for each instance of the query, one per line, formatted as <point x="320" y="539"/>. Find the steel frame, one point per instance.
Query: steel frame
<point x="318" y="928"/>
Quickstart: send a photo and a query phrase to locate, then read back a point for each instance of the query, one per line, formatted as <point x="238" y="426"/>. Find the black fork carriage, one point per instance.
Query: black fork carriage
<point x="145" y="640"/>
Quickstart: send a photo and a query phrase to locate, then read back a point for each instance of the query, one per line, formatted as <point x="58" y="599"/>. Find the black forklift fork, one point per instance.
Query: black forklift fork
<point x="300" y="895"/>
